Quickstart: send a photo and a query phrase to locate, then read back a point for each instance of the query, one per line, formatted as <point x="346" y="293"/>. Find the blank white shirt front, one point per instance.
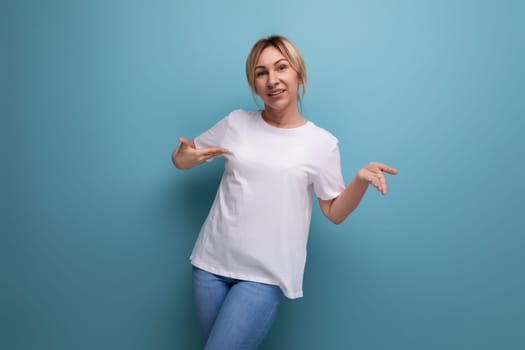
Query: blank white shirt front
<point x="257" y="228"/>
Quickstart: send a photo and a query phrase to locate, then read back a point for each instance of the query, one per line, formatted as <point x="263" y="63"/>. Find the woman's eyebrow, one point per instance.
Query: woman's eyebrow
<point x="276" y="63"/>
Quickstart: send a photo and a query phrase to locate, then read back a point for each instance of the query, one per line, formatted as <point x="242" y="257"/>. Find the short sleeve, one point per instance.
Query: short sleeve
<point x="213" y="137"/>
<point x="328" y="182"/>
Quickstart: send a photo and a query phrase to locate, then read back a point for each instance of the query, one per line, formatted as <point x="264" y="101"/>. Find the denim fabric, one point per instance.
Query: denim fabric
<point x="234" y="314"/>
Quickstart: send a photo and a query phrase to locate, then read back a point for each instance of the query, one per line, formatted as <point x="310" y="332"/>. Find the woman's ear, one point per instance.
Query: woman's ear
<point x="300" y="78"/>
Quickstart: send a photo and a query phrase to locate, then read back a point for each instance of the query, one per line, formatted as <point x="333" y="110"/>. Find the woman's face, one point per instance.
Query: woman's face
<point x="276" y="82"/>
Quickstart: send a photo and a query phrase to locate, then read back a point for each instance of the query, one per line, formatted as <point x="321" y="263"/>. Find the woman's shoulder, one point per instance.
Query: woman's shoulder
<point x="322" y="134"/>
<point x="242" y="113"/>
<point x="241" y="117"/>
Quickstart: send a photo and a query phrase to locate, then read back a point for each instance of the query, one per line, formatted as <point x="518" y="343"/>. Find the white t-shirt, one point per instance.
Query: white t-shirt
<point x="257" y="228"/>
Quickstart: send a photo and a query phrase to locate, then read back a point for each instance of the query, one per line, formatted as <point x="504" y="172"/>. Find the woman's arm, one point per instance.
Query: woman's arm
<point x="338" y="209"/>
<point x="186" y="155"/>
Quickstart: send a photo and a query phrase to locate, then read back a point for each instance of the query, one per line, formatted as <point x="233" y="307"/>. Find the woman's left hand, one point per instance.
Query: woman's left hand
<point x="374" y="174"/>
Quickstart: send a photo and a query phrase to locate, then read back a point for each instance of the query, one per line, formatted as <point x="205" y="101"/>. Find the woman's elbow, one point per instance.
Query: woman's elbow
<point x="333" y="219"/>
<point x="337" y="221"/>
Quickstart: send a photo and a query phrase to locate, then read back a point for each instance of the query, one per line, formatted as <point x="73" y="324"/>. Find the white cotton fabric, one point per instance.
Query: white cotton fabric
<point x="257" y="228"/>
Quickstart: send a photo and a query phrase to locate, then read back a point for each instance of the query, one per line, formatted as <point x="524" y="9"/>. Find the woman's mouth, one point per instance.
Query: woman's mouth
<point x="276" y="93"/>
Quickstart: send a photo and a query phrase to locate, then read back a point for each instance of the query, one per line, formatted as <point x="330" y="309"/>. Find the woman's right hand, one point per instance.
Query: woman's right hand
<point x="186" y="155"/>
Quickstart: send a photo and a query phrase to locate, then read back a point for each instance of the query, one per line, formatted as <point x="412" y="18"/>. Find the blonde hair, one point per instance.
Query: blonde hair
<point x="287" y="49"/>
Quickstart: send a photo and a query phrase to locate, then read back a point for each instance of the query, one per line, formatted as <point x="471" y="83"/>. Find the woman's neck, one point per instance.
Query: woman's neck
<point x="283" y="119"/>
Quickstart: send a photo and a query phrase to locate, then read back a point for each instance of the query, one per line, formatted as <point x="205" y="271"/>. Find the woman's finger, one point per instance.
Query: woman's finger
<point x="374" y="181"/>
<point x="184" y="143"/>
<point x="382" y="180"/>
<point x="212" y="151"/>
<point x="387" y="169"/>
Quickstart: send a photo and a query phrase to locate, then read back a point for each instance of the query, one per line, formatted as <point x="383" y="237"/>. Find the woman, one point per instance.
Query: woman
<point x="252" y="247"/>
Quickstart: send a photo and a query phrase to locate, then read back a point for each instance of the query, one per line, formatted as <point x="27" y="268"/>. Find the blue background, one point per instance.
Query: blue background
<point x="97" y="225"/>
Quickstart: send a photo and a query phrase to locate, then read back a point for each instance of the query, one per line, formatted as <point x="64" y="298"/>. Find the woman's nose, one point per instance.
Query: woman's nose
<point x="272" y="78"/>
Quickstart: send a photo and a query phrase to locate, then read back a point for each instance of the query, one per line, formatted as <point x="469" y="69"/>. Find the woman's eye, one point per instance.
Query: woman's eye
<point x="260" y="73"/>
<point x="281" y="68"/>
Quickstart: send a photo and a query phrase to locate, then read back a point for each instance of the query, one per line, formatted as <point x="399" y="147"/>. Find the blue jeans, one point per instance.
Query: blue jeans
<point x="234" y="314"/>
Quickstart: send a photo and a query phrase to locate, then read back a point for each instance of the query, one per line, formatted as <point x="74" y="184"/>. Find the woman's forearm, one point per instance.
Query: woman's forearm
<point x="338" y="209"/>
<point x="347" y="201"/>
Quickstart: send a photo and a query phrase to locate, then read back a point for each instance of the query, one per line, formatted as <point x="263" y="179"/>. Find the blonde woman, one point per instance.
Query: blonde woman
<point x="251" y="250"/>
